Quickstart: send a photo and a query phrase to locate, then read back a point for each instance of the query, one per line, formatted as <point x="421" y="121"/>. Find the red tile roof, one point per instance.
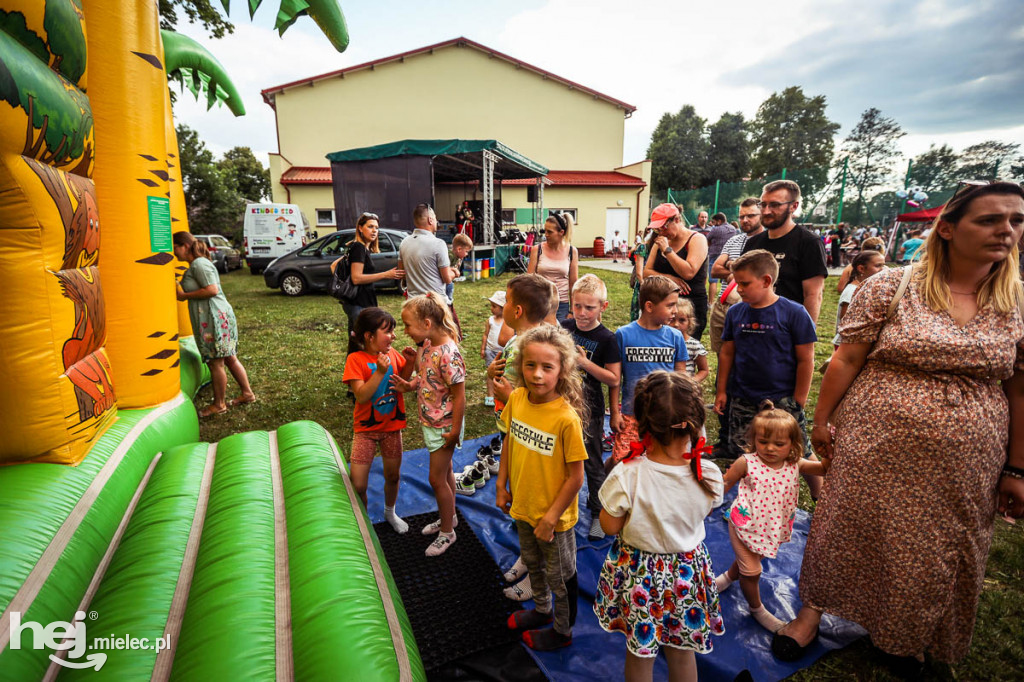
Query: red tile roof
<point x="268" y="93"/>
<point x="313" y="175"/>
<point x="306" y="175"/>
<point x="560" y="178"/>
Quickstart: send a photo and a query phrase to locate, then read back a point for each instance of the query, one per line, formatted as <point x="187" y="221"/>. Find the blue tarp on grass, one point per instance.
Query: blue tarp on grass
<point x="599" y="655"/>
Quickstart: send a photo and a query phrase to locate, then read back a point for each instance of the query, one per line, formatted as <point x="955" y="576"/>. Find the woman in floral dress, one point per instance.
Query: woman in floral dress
<point x="922" y="416"/>
<point x="213" y="322"/>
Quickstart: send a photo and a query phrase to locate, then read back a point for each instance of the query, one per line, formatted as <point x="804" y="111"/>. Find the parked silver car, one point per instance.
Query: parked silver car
<point x="225" y="256"/>
<point x="309" y="268"/>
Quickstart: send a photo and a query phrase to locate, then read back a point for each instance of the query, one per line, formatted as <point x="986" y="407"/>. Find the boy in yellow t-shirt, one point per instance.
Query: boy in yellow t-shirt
<point x="542" y="465"/>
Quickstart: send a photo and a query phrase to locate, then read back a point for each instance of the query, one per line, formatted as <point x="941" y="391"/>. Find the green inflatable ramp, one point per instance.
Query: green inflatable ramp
<point x="248" y="559"/>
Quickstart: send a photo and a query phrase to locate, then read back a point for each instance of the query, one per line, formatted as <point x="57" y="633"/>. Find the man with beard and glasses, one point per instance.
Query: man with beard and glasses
<point x="801" y="255"/>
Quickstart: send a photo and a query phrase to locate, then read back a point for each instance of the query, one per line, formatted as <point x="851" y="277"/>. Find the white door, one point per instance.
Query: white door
<point x="616" y="219"/>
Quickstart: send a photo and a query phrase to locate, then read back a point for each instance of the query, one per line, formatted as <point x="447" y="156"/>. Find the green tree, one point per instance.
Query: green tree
<point x="214" y="207"/>
<point x="988" y="160"/>
<point x="197" y="12"/>
<point x="245" y="174"/>
<point x="678" y="151"/>
<point x="791" y="131"/>
<point x="935" y="169"/>
<point x="871" y="148"/>
<point x="729" y="149"/>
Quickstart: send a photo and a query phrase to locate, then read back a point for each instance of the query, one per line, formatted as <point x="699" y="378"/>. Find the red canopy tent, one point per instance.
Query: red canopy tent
<point x="924" y="216"/>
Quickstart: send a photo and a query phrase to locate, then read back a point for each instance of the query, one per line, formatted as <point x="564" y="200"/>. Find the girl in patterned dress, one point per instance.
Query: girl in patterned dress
<point x="761" y="517"/>
<point x="657" y="585"/>
<point x="440" y="387"/>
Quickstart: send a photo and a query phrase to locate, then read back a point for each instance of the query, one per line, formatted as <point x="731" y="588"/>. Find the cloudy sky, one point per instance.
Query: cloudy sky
<point x="948" y="71"/>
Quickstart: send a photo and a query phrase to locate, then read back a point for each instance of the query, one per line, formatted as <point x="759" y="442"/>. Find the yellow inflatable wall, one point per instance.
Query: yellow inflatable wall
<point x="58" y="395"/>
<point x="128" y="90"/>
<point x="179" y="211"/>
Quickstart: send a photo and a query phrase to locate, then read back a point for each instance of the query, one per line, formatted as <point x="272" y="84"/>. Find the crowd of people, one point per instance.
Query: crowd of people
<point x="915" y="445"/>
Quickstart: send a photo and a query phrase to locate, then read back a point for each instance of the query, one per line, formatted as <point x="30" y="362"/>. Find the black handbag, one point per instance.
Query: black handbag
<point x="342" y="287"/>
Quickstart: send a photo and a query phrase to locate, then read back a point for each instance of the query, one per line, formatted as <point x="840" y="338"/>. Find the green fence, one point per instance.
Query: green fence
<point x="830" y="194"/>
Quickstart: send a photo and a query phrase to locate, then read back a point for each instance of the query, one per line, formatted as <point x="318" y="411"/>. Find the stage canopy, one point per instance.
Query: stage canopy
<point x="391" y="179"/>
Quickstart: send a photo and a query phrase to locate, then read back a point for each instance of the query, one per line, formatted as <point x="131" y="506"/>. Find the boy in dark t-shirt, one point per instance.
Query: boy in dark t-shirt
<point x="599" y="360"/>
<point x="767" y="353"/>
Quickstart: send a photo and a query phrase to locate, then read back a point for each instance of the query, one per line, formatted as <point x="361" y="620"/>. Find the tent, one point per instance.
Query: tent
<point x="391" y="179"/>
<point x="923" y="216"/>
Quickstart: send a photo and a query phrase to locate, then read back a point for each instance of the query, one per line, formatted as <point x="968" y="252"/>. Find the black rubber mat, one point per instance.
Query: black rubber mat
<point x="454" y="601"/>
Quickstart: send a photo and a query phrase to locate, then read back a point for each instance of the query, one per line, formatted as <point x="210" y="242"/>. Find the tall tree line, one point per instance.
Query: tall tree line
<point x="791" y="131"/>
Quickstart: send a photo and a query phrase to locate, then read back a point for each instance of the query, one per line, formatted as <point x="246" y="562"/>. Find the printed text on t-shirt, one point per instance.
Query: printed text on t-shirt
<point x="650" y="354"/>
<point x="534" y="439"/>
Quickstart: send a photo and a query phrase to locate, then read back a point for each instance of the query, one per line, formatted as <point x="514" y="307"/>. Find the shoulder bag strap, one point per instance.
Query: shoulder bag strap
<point x="908" y="273"/>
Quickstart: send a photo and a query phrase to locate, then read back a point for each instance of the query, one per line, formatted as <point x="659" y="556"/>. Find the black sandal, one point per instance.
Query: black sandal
<point x="786" y="648"/>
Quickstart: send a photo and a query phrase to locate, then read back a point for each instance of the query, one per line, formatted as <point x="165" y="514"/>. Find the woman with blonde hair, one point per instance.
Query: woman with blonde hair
<point x="557" y="260"/>
<point x="921" y="413"/>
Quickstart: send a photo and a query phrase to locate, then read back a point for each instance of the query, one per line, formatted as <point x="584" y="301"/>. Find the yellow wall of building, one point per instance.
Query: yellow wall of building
<point x="456" y="92"/>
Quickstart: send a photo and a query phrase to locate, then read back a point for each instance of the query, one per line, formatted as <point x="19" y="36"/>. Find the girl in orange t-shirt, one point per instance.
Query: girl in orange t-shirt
<point x="379" y="413"/>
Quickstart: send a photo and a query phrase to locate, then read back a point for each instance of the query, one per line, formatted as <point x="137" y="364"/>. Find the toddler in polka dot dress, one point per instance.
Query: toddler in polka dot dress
<point x="761" y="517"/>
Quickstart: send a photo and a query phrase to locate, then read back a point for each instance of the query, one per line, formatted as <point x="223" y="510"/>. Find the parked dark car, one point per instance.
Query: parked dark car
<point x="309" y="268"/>
<point x="222" y="253"/>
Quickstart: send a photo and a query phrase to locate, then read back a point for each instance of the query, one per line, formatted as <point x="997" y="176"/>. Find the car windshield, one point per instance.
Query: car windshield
<point x="220" y="241"/>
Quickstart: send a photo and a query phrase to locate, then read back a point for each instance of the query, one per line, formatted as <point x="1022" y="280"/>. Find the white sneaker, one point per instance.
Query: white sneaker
<point x="521" y="591"/>
<point x="465" y="485"/>
<point x="440" y="544"/>
<point x="492" y="464"/>
<point x="435" y="526"/>
<point x="516" y="573"/>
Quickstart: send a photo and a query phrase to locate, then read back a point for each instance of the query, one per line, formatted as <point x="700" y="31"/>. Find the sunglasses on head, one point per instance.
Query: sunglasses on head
<point x="372" y="216"/>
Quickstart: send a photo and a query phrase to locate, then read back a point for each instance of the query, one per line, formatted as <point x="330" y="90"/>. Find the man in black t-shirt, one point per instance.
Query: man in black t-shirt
<point x="801" y="255"/>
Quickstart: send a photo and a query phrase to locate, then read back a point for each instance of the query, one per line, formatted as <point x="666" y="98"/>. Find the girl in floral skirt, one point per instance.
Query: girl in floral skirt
<point x="657" y="586"/>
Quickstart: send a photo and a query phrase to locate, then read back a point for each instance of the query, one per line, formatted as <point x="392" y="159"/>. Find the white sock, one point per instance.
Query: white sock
<point x="395" y="520"/>
<point x="723" y="581"/>
<point x="768" y="621"/>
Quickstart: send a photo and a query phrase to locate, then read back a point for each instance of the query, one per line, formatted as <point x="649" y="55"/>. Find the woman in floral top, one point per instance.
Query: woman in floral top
<point x="213" y="322"/>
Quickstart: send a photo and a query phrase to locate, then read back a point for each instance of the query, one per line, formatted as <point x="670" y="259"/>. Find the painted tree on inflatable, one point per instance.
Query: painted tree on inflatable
<point x="86" y="139"/>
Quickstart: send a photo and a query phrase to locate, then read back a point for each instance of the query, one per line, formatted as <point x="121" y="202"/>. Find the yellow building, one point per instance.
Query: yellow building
<point x="462" y="89"/>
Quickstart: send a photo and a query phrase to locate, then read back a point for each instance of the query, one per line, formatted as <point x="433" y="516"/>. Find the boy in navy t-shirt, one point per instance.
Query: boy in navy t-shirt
<point x="646" y="345"/>
<point x="600" y="363"/>
<point x="767" y="353"/>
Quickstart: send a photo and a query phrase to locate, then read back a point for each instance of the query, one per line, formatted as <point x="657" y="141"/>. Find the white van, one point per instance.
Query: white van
<point x="270" y="231"/>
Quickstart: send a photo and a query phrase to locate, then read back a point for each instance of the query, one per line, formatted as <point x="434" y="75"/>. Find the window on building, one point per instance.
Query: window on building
<point x="570" y="211"/>
<point x="508" y="216"/>
<point x="324" y="217"/>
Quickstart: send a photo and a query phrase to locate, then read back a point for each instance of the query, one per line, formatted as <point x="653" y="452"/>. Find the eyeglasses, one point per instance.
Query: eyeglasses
<point x="371" y="216"/>
<point x="774" y="205"/>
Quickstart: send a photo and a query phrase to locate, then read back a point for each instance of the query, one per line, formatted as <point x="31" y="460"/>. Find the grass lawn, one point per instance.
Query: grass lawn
<point x="294" y="351"/>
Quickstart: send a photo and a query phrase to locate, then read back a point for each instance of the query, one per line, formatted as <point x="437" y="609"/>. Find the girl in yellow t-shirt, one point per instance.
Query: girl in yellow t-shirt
<point x="540" y="475"/>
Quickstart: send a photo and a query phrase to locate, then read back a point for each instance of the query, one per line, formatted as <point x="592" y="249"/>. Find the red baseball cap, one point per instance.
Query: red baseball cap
<point x="661" y="213"/>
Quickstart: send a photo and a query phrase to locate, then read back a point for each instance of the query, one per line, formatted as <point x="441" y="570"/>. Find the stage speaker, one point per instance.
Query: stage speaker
<point x="531" y="194"/>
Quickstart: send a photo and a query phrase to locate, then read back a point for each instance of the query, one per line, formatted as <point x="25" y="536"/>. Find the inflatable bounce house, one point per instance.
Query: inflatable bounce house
<point x="251" y="558"/>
